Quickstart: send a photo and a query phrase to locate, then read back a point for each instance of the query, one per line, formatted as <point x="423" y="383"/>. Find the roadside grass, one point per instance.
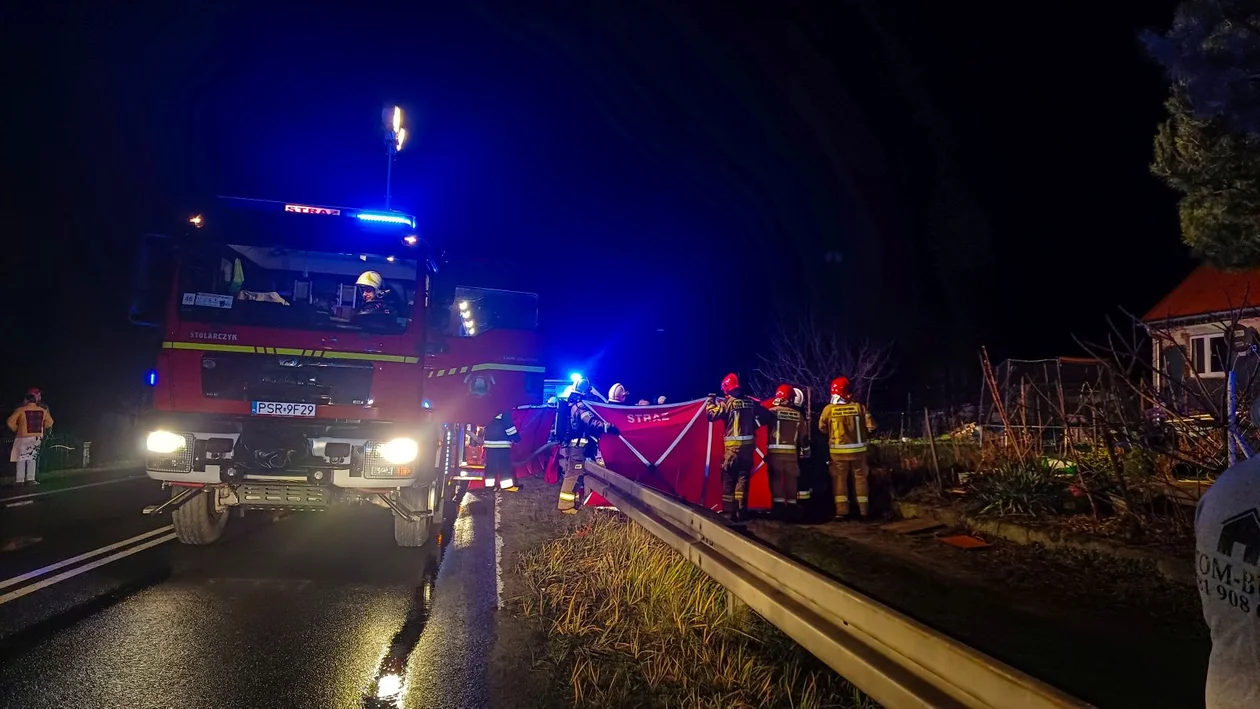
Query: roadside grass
<point x="629" y="622"/>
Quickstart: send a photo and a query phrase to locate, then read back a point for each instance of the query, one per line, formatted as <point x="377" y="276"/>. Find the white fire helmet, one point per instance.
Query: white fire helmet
<point x="617" y="394"/>
<point x="798" y="398"/>
<point x="371" y="279"/>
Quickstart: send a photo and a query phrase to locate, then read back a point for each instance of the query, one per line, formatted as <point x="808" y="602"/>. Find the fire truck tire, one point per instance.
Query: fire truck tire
<point x="414" y="532"/>
<point x="197" y="522"/>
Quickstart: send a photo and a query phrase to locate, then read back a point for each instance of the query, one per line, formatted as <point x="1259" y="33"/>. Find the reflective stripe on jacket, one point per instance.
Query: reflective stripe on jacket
<point x="788" y="433"/>
<point x="500" y="432"/>
<point x="742" y="417"/>
<point x="847" y="425"/>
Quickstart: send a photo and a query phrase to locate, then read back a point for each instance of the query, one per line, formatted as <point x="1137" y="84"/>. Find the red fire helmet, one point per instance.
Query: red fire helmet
<point x="840" y="386"/>
<point x="783" y="394"/>
<point x="730" y="383"/>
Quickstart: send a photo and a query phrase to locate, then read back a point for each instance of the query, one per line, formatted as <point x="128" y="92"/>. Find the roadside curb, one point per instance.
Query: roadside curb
<point x="1173" y="568"/>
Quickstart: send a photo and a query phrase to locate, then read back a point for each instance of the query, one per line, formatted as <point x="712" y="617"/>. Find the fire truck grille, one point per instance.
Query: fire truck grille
<point x="309" y="497"/>
<point x="306" y="380"/>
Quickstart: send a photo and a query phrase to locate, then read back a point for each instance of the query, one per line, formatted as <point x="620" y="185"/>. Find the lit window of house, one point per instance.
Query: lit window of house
<point x="1208" y="354"/>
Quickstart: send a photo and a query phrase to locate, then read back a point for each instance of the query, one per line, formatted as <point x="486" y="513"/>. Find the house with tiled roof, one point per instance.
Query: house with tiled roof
<point x="1190" y="343"/>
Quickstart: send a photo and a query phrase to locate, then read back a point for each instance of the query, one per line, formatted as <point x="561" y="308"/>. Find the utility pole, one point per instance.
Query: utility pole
<point x="395" y="134"/>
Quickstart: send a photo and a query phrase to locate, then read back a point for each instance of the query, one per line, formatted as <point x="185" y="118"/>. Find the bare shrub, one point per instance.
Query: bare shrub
<point x="803" y="353"/>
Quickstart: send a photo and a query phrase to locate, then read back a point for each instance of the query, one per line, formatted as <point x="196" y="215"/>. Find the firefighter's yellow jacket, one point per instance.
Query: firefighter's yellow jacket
<point x="848" y="427"/>
<point x="788" y="433"/>
<point x="742" y="417"/>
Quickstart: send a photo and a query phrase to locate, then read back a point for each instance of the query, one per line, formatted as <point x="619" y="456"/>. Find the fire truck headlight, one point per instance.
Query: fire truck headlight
<point x="164" y="442"/>
<point x="400" y="451"/>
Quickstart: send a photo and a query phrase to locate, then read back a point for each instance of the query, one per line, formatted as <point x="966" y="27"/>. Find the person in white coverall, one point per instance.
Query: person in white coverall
<point x="1227" y="566"/>
<point x="28" y="422"/>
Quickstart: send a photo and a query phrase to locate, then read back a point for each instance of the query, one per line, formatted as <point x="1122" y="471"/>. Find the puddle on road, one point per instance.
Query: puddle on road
<point x="15" y="543"/>
<point x="386" y="690"/>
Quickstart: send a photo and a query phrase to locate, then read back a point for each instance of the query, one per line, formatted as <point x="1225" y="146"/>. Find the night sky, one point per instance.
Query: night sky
<point x="934" y="174"/>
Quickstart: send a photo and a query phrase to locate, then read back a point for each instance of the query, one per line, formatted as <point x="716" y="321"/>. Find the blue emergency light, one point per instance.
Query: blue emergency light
<point x="151" y="378"/>
<point x="386" y="218"/>
<point x="575" y="377"/>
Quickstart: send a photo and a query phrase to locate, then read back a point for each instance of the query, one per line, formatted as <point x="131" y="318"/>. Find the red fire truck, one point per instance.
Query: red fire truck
<point x="482" y="359"/>
<point x="286" y="383"/>
<point x="291" y="372"/>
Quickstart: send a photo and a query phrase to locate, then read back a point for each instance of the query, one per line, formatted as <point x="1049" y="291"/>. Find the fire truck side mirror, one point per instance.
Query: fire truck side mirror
<point x="151" y="280"/>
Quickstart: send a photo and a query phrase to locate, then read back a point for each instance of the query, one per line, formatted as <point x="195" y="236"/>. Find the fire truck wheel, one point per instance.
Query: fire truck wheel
<point x="415" y="532"/>
<point x="197" y="522"/>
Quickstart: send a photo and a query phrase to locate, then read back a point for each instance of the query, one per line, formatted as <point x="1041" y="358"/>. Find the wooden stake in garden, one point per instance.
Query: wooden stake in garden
<point x="1067" y="442"/>
<point x="936" y="465"/>
<point x="998" y="404"/>
<point x="1063" y="414"/>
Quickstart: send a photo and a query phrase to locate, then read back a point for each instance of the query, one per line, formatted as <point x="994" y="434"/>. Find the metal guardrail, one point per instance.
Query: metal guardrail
<point x="898" y="661"/>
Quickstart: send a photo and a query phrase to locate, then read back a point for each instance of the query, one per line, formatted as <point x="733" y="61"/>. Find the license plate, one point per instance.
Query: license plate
<point x="280" y="408"/>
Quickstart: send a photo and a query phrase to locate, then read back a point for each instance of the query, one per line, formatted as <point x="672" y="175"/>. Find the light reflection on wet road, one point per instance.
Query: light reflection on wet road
<point x="318" y="610"/>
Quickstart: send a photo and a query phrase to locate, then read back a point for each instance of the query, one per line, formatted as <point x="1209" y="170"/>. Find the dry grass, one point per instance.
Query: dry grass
<point x="631" y="623"/>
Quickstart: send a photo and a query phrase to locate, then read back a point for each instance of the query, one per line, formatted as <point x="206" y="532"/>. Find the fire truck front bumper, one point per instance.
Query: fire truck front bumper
<point x="212" y="458"/>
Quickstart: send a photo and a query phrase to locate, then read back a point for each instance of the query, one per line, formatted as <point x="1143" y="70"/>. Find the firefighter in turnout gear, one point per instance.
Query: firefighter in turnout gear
<point x="580" y="427"/>
<point x="787" y="443"/>
<point x="804" y="488"/>
<point x="848" y="426"/>
<point x="499" y="436"/>
<point x="742" y="417"/>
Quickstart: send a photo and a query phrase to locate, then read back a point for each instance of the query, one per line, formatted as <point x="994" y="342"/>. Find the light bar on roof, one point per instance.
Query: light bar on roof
<point x="386" y="218"/>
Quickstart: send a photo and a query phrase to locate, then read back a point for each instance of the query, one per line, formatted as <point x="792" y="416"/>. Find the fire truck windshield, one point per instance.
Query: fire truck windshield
<point x="287" y="288"/>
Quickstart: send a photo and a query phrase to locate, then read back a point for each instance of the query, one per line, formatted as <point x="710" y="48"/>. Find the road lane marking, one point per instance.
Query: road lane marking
<point x="19" y="504"/>
<point x="76" y="559"/>
<point x="25" y="590"/>
<point x="68" y="489"/>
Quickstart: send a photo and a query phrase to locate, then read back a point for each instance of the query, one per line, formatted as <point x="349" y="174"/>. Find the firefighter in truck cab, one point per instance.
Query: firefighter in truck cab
<point x="375" y="299"/>
<point x="577" y="429"/>
<point x="847" y="425"/>
<point x="742" y="417"/>
<point x="786" y="444"/>
<point x="498" y="437"/>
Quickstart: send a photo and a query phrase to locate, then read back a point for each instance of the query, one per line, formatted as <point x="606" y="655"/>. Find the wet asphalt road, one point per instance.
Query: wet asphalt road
<point x="310" y="610"/>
